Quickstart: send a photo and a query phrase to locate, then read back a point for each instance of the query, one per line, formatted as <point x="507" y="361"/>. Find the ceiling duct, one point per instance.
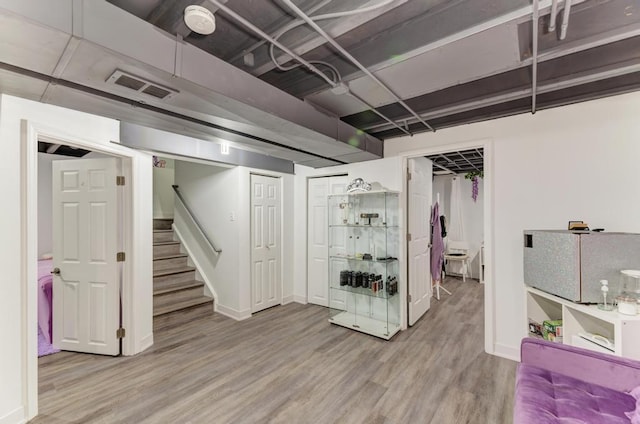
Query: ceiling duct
<point x="132" y="82"/>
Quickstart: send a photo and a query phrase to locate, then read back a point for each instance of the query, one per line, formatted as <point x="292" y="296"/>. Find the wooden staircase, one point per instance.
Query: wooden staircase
<point x="175" y="287"/>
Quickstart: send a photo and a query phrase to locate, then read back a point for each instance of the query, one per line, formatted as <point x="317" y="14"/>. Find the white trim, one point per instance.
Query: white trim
<point x="14" y="417"/>
<point x="490" y="345"/>
<point x="146" y="342"/>
<point x="232" y="313"/>
<point x="193" y="259"/>
<point x="31" y="133"/>
<point x="288" y="299"/>
<point x="507" y="352"/>
<point x="300" y="299"/>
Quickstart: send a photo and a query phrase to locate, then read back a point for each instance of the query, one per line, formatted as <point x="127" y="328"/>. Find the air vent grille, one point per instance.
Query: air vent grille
<point x="140" y="85"/>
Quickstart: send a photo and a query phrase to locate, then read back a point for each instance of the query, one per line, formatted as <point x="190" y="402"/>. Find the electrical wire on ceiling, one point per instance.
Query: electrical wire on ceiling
<point x="295" y="24"/>
<point x="341" y="88"/>
<point x="356" y="62"/>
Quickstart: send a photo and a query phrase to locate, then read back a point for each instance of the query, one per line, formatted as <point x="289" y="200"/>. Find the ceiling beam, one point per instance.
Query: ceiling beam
<point x="558" y="83"/>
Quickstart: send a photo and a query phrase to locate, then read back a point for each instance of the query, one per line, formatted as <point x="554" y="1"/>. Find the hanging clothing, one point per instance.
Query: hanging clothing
<point x="437" y="244"/>
<point x="443" y="224"/>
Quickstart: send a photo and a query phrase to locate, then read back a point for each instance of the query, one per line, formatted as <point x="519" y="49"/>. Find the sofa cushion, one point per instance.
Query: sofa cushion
<point x="634" y="415"/>
<point x="546" y="397"/>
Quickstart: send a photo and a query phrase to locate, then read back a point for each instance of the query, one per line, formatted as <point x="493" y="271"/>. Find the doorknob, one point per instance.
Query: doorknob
<point x="56" y="271"/>
<point x="267" y="246"/>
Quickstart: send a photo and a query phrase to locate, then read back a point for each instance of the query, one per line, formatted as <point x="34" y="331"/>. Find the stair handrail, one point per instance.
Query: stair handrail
<point x="194" y="219"/>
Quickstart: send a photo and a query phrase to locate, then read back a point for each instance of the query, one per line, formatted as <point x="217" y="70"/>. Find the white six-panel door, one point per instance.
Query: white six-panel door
<point x="86" y="291"/>
<point x="266" y="281"/>
<point x="317" y="236"/>
<point x="420" y="195"/>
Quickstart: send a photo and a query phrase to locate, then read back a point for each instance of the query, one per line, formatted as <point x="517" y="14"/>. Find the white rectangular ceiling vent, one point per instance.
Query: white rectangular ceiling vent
<point x="140" y="85"/>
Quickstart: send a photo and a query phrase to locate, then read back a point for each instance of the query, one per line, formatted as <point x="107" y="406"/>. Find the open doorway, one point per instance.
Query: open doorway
<point x="79" y="235"/>
<point x="130" y="166"/>
<point x="458" y="189"/>
<point x="464" y="158"/>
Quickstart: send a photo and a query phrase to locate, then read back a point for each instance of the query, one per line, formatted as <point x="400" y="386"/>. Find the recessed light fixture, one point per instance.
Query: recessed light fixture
<point x="199" y="19"/>
<point x="224" y="148"/>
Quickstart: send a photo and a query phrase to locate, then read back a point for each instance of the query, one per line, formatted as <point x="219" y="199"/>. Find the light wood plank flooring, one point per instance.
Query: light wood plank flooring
<point x="289" y="365"/>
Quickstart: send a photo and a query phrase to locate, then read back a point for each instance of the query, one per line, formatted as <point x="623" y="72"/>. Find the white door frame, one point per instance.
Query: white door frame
<point x="30" y="135"/>
<point x="489" y="291"/>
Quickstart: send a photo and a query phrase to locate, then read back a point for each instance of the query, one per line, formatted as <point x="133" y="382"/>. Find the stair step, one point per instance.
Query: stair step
<point x="163" y="236"/>
<point x="179" y="277"/>
<point x="175" y="301"/>
<point x="173" y="270"/>
<point x="162" y="224"/>
<point x="166" y="249"/>
<point x="170" y="263"/>
<point x="169" y="256"/>
<point x="165" y="243"/>
<point x="172" y="286"/>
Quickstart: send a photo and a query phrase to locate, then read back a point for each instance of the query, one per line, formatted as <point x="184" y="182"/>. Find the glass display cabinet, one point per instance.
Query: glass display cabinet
<point x="364" y="235"/>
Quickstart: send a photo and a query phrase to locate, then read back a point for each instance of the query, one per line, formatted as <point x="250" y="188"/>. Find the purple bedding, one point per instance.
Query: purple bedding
<point x="45" y="296"/>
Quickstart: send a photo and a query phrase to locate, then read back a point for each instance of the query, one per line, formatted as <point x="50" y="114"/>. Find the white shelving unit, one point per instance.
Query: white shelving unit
<point x="622" y="330"/>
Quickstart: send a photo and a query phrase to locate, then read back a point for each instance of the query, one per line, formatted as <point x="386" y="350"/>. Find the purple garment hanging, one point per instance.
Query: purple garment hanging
<point x="437" y="244"/>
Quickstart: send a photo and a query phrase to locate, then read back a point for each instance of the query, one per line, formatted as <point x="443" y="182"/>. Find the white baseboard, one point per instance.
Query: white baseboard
<point x="288" y="299"/>
<point x="232" y="313"/>
<point x="300" y="299"/>
<point x="507" y="352"/>
<point x="146" y="342"/>
<point x="14" y="417"/>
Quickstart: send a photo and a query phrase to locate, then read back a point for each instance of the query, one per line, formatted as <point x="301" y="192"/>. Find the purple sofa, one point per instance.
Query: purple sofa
<point x="556" y="383"/>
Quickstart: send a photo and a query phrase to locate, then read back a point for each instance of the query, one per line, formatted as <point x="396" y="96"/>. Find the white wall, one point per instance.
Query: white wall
<point x="18" y="251"/>
<point x="163" y="179"/>
<point x="472" y="213"/>
<point x="211" y="192"/>
<point x="388" y="172"/>
<point x="573" y="162"/>
<point x="215" y="194"/>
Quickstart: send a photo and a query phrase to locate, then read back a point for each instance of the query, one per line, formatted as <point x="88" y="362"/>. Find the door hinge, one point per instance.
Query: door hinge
<point x="120" y="257"/>
<point x="120" y="180"/>
<point x="408" y="176"/>
<point x="408" y="236"/>
<point x="120" y="333"/>
<point x="410" y="298"/>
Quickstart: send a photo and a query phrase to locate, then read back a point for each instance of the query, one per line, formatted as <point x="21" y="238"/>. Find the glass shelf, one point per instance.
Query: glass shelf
<point x="380" y="294"/>
<point x="384" y="227"/>
<point x="381" y="261"/>
<point x="365" y="223"/>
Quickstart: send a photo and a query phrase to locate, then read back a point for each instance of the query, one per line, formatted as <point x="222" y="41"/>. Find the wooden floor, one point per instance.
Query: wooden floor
<point x="289" y="365"/>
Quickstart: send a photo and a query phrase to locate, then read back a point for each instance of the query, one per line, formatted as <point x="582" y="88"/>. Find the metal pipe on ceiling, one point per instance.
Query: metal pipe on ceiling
<point x="468" y="161"/>
<point x="53" y="148"/>
<point x="534" y="56"/>
<point x="353" y="60"/>
<point x="437" y="165"/>
<point x="565" y="19"/>
<point x="552" y="18"/>
<point x="297" y="57"/>
<point x="275" y="34"/>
